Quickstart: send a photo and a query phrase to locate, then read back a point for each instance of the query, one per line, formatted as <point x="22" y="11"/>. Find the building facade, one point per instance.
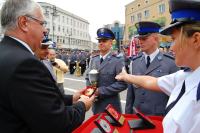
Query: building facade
<point x="145" y="10"/>
<point x="118" y="30"/>
<point x="66" y="29"/>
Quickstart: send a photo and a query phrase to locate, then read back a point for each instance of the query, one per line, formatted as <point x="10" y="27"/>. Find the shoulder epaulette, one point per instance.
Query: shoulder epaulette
<point x="169" y="56"/>
<point x="115" y="55"/>
<point x="132" y="58"/>
<point x="95" y="56"/>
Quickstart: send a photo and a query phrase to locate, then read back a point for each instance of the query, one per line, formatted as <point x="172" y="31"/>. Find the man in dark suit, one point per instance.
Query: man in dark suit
<point x="150" y="62"/>
<point x="108" y="66"/>
<point x="30" y="101"/>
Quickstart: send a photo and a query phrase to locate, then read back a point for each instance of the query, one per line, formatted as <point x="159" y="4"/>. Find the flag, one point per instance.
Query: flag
<point x="132" y="47"/>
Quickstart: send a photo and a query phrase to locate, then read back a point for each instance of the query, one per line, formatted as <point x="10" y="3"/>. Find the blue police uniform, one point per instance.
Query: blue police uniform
<point x="149" y="102"/>
<point x="108" y="86"/>
<point x="146" y="100"/>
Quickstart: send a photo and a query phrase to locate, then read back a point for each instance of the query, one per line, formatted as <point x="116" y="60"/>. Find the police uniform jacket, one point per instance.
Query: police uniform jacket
<point x="108" y="86"/>
<point x="149" y="102"/>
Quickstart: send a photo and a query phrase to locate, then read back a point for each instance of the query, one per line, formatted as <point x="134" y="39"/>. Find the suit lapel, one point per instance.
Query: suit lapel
<point x="95" y="63"/>
<point x="154" y="64"/>
<point x="142" y="65"/>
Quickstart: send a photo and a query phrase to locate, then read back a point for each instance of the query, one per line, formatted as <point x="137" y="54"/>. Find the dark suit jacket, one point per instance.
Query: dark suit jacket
<point x="30" y="101"/>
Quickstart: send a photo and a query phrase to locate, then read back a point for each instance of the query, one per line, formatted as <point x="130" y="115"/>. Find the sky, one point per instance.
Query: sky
<point x="97" y="12"/>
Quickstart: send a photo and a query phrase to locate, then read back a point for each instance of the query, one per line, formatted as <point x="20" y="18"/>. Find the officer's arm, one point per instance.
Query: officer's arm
<point x="148" y="82"/>
<point x="87" y="72"/>
<point x="130" y="98"/>
<point x="116" y="86"/>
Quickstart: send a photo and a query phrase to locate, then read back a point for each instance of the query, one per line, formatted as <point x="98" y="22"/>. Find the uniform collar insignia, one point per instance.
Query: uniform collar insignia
<point x="143" y="57"/>
<point x="159" y="57"/>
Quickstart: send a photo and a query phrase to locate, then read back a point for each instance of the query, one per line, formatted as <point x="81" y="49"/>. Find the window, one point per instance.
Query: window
<point x="63" y="19"/>
<point x="59" y="28"/>
<point x="139" y="16"/>
<point x="162" y="8"/>
<point x="67" y="20"/>
<point x="74" y="32"/>
<point x="46" y="13"/>
<point x="146" y="13"/>
<point x="58" y="18"/>
<point x="63" y="29"/>
<point x="78" y="33"/>
<point x="132" y="19"/>
<point x="80" y="25"/>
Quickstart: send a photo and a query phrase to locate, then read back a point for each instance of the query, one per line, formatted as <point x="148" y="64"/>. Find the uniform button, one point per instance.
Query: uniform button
<point x="143" y="93"/>
<point x="142" y="102"/>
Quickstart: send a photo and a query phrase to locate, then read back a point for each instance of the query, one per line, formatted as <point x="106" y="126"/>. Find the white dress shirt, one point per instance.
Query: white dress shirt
<point x="152" y="55"/>
<point x="184" y="117"/>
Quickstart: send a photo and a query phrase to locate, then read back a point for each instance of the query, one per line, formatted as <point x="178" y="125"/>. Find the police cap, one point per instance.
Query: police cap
<point x="105" y="33"/>
<point x="146" y="27"/>
<point x="182" y="12"/>
<point x="46" y="43"/>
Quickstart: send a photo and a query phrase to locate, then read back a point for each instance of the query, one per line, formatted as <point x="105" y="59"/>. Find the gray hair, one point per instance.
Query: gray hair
<point x="12" y="9"/>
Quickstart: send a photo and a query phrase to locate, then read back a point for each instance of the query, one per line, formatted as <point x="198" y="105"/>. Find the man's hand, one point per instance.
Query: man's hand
<point x="122" y="76"/>
<point x="97" y="92"/>
<point x="88" y="101"/>
<point x="77" y="95"/>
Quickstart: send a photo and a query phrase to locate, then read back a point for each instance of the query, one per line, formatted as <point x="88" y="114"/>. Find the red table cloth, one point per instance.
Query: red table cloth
<point x="89" y="125"/>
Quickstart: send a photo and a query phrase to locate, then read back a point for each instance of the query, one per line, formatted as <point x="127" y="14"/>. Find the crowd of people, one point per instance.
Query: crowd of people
<point x="32" y="98"/>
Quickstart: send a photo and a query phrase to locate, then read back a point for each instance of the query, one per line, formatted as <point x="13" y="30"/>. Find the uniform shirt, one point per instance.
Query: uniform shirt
<point x="104" y="57"/>
<point x="48" y="64"/>
<point x="59" y="73"/>
<point x="184" y="117"/>
<point x="152" y="56"/>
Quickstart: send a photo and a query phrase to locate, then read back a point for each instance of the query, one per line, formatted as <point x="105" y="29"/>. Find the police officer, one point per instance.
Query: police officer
<point x="183" y="87"/>
<point x="42" y="54"/>
<point x="82" y="61"/>
<point x="108" y="66"/>
<point x="72" y="64"/>
<point x="151" y="62"/>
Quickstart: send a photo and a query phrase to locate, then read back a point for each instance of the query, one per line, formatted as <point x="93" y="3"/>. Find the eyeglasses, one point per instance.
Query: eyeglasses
<point x="43" y="23"/>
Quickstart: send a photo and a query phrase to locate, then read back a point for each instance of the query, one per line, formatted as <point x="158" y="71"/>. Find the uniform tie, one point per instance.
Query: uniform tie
<point x="148" y="61"/>
<point x="198" y="92"/>
<point x="169" y="107"/>
<point x="101" y="60"/>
